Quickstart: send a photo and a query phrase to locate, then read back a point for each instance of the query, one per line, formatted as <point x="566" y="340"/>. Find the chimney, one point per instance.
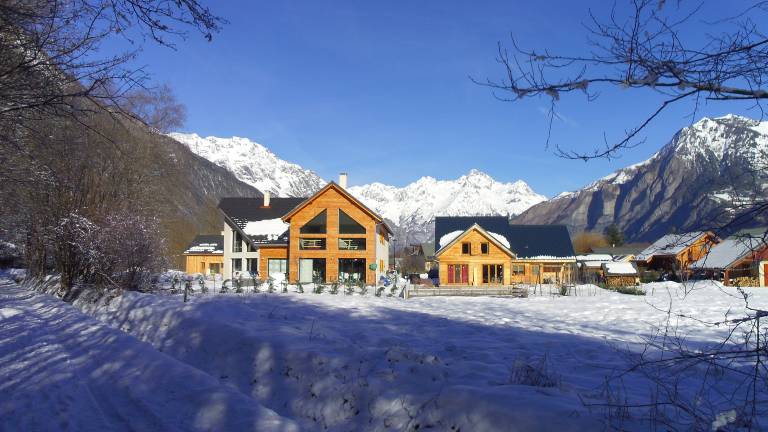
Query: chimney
<point x="343" y="180"/>
<point x="266" y="199"/>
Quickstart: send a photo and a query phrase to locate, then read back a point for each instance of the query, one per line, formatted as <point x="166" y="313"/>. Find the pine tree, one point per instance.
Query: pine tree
<point x="614" y="236"/>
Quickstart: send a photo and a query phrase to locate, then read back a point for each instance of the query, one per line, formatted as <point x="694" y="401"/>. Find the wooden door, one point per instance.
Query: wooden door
<point x="765" y="275"/>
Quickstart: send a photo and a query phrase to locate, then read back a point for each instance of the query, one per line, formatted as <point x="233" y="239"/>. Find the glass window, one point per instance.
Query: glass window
<point x="484" y="248"/>
<point x="237" y="241"/>
<point x="493" y="273"/>
<point x="347" y="225"/>
<point x="317" y="225"/>
<point x="535" y="270"/>
<point x="277" y="265"/>
<point x="253" y="265"/>
<point x="352" y="244"/>
<point x="237" y="264"/>
<point x="352" y="269"/>
<point x="518" y="269"/>
<point x="466" y="248"/>
<point x="312" y="243"/>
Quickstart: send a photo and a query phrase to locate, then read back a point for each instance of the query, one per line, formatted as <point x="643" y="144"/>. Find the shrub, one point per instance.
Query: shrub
<point x="334" y="288"/>
<point x="631" y="290"/>
<point x="534" y="374"/>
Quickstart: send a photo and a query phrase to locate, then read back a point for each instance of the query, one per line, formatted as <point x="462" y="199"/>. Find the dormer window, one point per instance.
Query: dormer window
<point x="317" y="225"/>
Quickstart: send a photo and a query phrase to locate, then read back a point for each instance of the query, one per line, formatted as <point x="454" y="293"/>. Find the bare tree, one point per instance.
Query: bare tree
<point x="649" y="49"/>
<point x="157" y="108"/>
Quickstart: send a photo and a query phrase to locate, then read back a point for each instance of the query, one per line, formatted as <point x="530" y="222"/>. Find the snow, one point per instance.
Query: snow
<point x="254" y="164"/>
<point x="351" y="362"/>
<point x="500" y="238"/>
<point x="548" y="258"/>
<point x="594" y="257"/>
<point x="63" y="370"/>
<point x="270" y="228"/>
<point x="448" y="238"/>
<point x="670" y="244"/>
<point x="727" y="252"/>
<point x="415" y="206"/>
<point x="443" y="363"/>
<point x="206" y="248"/>
<point x="619" y="268"/>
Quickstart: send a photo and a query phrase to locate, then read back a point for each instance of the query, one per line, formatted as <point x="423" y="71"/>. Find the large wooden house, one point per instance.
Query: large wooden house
<point x="328" y="237"/>
<point x="205" y="255"/>
<point x="673" y="253"/>
<point x="488" y="250"/>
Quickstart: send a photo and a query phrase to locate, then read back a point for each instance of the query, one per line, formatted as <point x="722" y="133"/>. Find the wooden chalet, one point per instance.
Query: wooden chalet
<point x="205" y="255"/>
<point x="673" y="253"/>
<point x="737" y="261"/>
<point x="328" y="237"/>
<point x="486" y="251"/>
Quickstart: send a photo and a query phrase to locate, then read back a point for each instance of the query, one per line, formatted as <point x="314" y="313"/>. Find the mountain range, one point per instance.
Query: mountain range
<point x="706" y="174"/>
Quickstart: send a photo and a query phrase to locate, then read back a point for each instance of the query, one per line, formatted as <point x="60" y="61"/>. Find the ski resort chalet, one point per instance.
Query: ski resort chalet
<point x="488" y="250"/>
<point x="327" y="237"/>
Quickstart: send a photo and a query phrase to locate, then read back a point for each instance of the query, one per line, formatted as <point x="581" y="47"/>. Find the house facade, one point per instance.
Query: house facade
<point x="737" y="260"/>
<point x="485" y="251"/>
<point x="205" y="255"/>
<point x="328" y="237"/>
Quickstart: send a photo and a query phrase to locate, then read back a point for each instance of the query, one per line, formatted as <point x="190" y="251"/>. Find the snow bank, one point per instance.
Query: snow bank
<point x="446" y="363"/>
<point x="63" y="370"/>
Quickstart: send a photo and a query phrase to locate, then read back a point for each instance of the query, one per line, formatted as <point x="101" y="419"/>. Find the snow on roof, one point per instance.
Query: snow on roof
<point x="270" y="228"/>
<point x="728" y="252"/>
<point x="594" y="257"/>
<point x="206" y="248"/>
<point x="619" y="268"/>
<point x="548" y="258"/>
<point x="451" y="236"/>
<point x="593" y="264"/>
<point x="500" y="238"/>
<point x="670" y="244"/>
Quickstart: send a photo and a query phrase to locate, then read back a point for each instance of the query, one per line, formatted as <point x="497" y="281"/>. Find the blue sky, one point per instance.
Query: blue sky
<point x="381" y="90"/>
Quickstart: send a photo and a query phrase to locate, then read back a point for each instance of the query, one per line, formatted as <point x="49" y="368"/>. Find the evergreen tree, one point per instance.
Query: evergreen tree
<point x="614" y="236"/>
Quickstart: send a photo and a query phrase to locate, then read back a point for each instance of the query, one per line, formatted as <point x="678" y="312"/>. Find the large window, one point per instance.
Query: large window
<point x="458" y="273"/>
<point x="352" y="244"/>
<point x="466" y="248"/>
<point x="312" y="270"/>
<point x="493" y="273"/>
<point x="253" y="265"/>
<point x="347" y="225"/>
<point x="312" y="243"/>
<point x="352" y="269"/>
<point x="237" y="241"/>
<point x="237" y="264"/>
<point x="317" y="225"/>
<point x="277" y="265"/>
<point x="518" y="269"/>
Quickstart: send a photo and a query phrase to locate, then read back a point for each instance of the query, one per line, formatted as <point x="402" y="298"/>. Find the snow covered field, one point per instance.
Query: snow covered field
<point x="447" y="363"/>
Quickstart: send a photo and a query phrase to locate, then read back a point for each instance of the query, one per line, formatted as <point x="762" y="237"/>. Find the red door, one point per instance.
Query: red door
<point x="464" y="273"/>
<point x="450" y="273"/>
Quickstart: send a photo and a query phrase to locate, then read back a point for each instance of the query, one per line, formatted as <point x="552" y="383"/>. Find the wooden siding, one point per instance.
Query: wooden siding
<point x="475" y="260"/>
<point x="265" y="253"/>
<point x="201" y="263"/>
<point x="331" y="200"/>
<point x="496" y="255"/>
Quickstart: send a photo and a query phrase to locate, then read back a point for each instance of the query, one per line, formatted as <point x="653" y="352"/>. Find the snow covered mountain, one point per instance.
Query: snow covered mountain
<point x="254" y="164"/>
<point x="412" y="209"/>
<point x="707" y="174"/>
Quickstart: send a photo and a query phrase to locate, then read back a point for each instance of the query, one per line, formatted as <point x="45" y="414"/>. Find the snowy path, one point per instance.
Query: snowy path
<point x="62" y="370"/>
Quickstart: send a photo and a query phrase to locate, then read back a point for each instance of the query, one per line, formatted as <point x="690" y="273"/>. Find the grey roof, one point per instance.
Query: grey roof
<point x="240" y="211"/>
<point x="428" y="248"/>
<point x="670" y="244"/>
<point x="206" y="244"/>
<point x="526" y="241"/>
<point x="728" y="252"/>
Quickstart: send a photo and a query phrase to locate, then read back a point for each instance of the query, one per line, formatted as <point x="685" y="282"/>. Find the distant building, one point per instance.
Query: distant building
<point x="488" y="250"/>
<point x="205" y="255"/>
<point x="625" y="253"/>
<point x="738" y="260"/>
<point x="673" y="253"/>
